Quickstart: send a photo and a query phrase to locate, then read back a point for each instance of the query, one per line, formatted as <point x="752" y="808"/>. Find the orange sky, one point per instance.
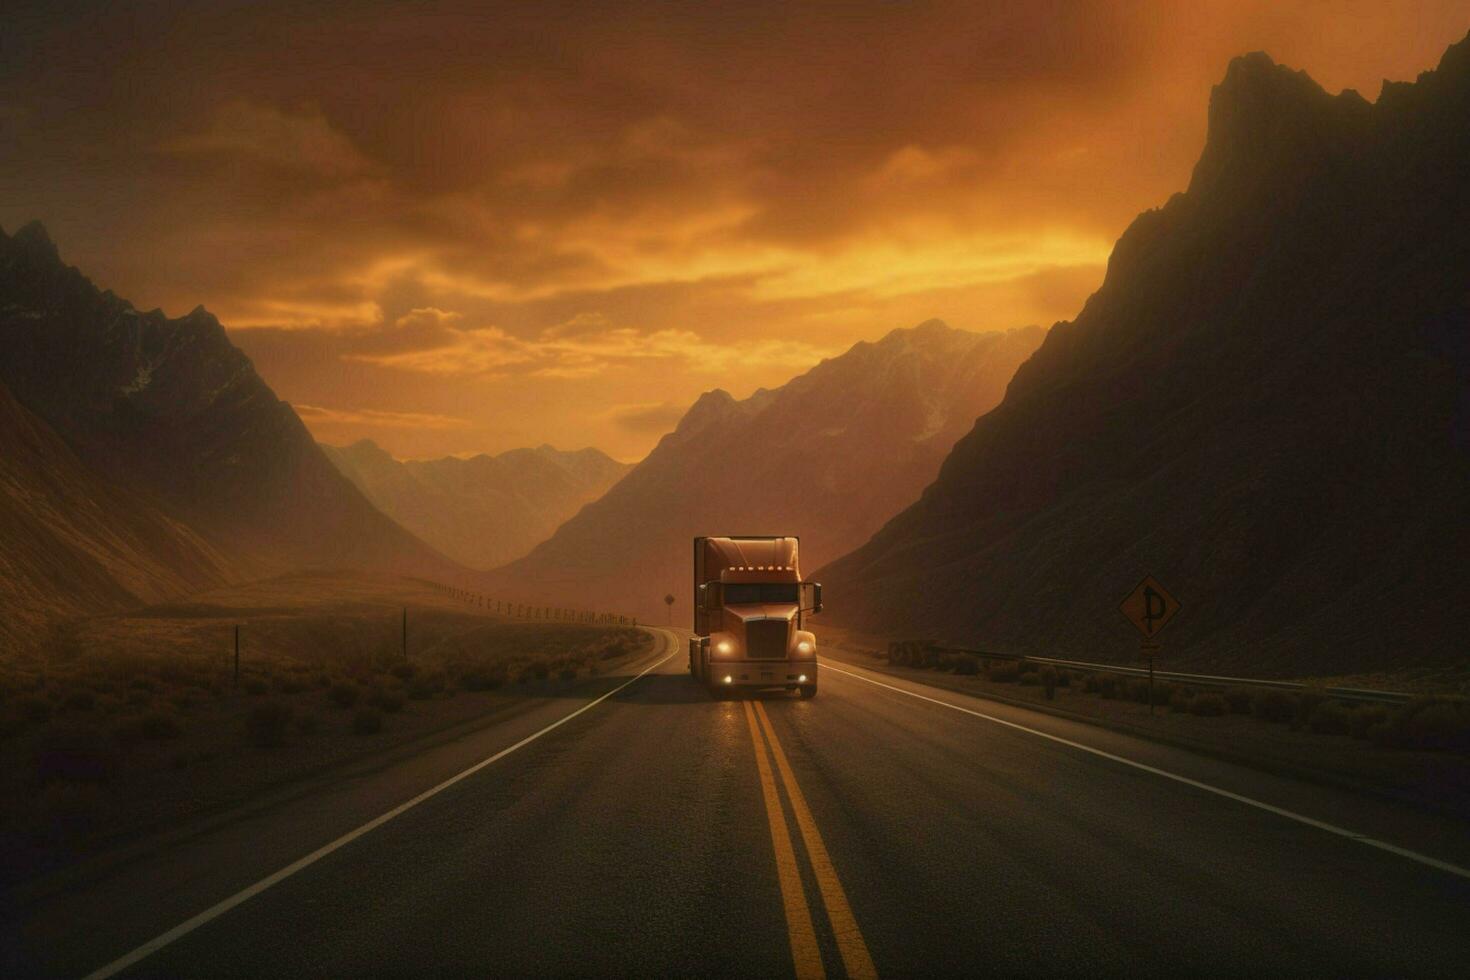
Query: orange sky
<point x="456" y="228"/>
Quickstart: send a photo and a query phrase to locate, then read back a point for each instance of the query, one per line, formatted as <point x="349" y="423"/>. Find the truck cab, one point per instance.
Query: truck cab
<point x="750" y="610"/>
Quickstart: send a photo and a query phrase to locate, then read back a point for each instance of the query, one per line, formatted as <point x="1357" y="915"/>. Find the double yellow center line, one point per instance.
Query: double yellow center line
<point x="805" y="953"/>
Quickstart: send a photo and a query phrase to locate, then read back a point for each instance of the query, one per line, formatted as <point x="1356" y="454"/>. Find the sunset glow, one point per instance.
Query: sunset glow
<point x="472" y="230"/>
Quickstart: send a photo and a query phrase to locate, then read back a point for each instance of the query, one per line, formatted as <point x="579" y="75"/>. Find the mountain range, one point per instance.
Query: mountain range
<point x="482" y="511"/>
<point x="155" y="454"/>
<point x="828" y="456"/>
<point x="1266" y="406"/>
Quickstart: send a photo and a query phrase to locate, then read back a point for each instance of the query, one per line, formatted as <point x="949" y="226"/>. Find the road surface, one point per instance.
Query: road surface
<point x="883" y="828"/>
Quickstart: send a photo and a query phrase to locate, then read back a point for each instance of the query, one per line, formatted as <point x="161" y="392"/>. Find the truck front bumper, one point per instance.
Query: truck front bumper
<point x="762" y="673"/>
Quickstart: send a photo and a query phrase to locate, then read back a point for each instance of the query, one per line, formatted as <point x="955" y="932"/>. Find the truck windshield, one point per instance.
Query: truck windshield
<point x="750" y="593"/>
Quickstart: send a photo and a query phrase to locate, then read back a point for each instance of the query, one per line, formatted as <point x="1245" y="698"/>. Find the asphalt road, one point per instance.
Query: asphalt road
<point x="884" y="827"/>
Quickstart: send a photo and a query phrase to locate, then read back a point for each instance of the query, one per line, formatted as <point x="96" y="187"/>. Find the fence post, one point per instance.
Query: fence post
<point x="237" y="655"/>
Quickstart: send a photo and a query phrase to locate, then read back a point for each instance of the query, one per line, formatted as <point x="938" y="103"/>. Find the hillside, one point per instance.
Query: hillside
<point x="174" y="414"/>
<point x="485" y="510"/>
<point x="1264" y="406"/>
<point x="828" y="456"/>
<point x="75" y="543"/>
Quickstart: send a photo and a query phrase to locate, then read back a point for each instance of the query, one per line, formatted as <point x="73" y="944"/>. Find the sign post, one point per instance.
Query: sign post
<point x="1149" y="607"/>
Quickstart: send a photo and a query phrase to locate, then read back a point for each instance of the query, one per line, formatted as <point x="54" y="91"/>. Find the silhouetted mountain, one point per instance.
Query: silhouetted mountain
<point x="172" y="412"/>
<point x="828" y="456"/>
<point x="75" y="543"/>
<point x="1265" y="406"/>
<point x="485" y="510"/>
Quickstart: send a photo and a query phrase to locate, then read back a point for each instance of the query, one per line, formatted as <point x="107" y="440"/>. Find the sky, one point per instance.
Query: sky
<point x="467" y="228"/>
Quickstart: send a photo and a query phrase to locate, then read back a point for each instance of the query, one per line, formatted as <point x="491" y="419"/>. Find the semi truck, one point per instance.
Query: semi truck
<point x="750" y="610"/>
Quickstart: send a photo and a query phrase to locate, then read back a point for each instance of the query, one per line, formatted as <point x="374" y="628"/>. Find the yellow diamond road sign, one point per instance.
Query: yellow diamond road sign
<point x="1149" y="607"/>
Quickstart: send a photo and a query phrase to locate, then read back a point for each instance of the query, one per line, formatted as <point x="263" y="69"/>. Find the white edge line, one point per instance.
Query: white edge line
<point x="245" y="894"/>
<point x="1248" y="801"/>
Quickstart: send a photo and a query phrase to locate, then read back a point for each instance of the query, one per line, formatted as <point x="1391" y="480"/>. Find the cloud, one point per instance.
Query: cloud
<point x="648" y="417"/>
<point x="577" y="351"/>
<point x="268" y="135"/>
<point x="316" y="415"/>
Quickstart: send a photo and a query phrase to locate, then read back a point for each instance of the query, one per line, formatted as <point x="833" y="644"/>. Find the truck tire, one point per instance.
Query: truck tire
<point x="808" y="691"/>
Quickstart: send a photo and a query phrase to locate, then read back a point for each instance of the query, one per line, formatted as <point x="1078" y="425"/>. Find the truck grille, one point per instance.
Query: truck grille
<point x="766" y="639"/>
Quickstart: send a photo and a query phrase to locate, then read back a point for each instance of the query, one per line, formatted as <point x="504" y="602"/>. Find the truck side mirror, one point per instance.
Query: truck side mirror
<point x="709" y="596"/>
<point x="811" y="597"/>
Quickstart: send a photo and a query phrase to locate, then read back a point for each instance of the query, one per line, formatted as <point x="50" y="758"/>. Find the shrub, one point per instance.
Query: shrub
<point x="1049" y="681"/>
<point x="425" y="686"/>
<point x="80" y="700"/>
<point x="403" y="670"/>
<point x="79" y="753"/>
<point x="367" y="722"/>
<point x="1029" y="678"/>
<point x="1090" y="684"/>
<point x="267" y="722"/>
<point x="343" y="695"/>
<point x="159" y="725"/>
<point x="307" y="722"/>
<point x="1028" y="666"/>
<point x="385" y="700"/>
<point x="1307" y="701"/>
<point x="484" y="678"/>
<point x="542" y="670"/>
<point x="1180" y="699"/>
<point x="967" y="664"/>
<point x="568" y="673"/>
<point x="1239" y="700"/>
<point x="1365" y="718"/>
<point x="1332" y="718"/>
<point x="1277" y="706"/>
<point x="1208" y="705"/>
<point x="254" y="686"/>
<point x="1003" y="672"/>
<point x="1064" y="678"/>
<point x="1427" y="723"/>
<point x="1138" y="690"/>
<point x="34" y="708"/>
<point x="290" y="684"/>
<point x="1108" y="686"/>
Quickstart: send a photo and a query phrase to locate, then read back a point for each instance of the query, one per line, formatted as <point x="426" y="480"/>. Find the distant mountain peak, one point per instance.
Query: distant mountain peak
<point x="1266" y="123"/>
<point x="709" y="407"/>
<point x="366" y="446"/>
<point x="33" y="237"/>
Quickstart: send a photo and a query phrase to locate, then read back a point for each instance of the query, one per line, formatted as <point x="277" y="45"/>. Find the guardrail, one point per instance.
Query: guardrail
<point x="529" y="610"/>
<point x="1200" y="680"/>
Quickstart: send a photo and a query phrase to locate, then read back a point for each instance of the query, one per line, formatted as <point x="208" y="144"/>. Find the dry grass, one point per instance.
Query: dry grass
<point x="1438" y="723"/>
<point x="143" y="712"/>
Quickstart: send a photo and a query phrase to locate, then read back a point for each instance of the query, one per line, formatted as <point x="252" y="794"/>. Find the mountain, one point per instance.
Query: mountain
<point x="1266" y="406"/>
<point x="174" y="415"/>
<point x="485" y="510"/>
<point x="75" y="543"/>
<point x="828" y="456"/>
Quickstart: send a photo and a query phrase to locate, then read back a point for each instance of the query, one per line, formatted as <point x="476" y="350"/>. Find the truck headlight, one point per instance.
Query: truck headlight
<point x="804" y="647"/>
<point x="724" y="646"/>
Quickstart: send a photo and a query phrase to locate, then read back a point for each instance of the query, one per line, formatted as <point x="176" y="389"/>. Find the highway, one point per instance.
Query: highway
<point x="883" y="828"/>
